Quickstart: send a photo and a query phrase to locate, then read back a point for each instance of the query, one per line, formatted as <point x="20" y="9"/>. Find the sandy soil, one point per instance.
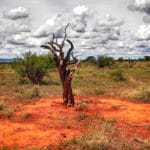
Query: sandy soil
<point x="47" y="122"/>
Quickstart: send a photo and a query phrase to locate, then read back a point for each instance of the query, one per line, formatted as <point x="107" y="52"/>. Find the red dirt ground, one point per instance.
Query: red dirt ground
<point x="48" y="122"/>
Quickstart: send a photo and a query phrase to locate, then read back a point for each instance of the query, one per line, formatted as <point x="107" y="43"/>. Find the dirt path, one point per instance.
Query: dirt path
<point x="47" y="121"/>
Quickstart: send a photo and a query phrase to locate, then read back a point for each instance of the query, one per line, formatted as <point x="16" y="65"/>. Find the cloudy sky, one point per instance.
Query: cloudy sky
<point x="118" y="28"/>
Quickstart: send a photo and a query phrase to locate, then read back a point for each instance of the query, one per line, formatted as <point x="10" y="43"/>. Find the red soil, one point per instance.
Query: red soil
<point x="50" y="122"/>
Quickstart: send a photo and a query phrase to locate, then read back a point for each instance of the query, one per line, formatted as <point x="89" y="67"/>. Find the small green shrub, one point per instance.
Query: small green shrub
<point x="104" y="61"/>
<point x="33" y="67"/>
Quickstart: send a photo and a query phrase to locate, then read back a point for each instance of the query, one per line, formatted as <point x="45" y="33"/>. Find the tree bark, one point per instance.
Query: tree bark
<point x="66" y="79"/>
<point x="68" y="96"/>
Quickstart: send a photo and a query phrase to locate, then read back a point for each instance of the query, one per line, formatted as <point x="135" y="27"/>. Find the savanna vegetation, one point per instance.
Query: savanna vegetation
<point x="94" y="123"/>
<point x="121" y="79"/>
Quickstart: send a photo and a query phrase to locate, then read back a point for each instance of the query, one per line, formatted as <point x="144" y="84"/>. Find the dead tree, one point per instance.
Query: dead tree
<point x="66" y="64"/>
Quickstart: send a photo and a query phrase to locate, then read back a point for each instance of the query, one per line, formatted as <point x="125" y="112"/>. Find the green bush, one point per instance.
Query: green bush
<point x="104" y="61"/>
<point x="121" y="59"/>
<point x="90" y="59"/>
<point x="33" y="67"/>
<point x="147" y="58"/>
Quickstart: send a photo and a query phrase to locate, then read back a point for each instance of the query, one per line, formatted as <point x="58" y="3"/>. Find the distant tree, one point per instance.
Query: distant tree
<point x="147" y="58"/>
<point x="90" y="59"/>
<point x="66" y="64"/>
<point x="120" y="59"/>
<point x="104" y="61"/>
<point x="33" y="67"/>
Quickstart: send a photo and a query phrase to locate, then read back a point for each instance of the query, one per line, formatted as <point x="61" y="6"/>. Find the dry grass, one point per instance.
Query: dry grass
<point x="5" y="110"/>
<point x="25" y="115"/>
<point x="120" y="80"/>
<point x="143" y="95"/>
<point x="107" y="136"/>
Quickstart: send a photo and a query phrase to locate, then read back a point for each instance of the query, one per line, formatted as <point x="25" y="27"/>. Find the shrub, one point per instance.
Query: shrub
<point x="104" y="61"/>
<point x="147" y="58"/>
<point x="33" y="67"/>
<point x="118" y="75"/>
<point x="120" y="59"/>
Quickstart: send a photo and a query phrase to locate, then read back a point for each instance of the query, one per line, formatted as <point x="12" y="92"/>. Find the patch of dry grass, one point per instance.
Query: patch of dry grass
<point x="5" y="110"/>
<point x="88" y="80"/>
<point x="107" y="136"/>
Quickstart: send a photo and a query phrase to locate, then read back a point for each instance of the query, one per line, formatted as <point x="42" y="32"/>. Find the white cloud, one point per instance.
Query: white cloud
<point x="140" y="5"/>
<point x="17" y="13"/>
<point x="26" y="40"/>
<point x="108" y="22"/>
<point x="18" y="39"/>
<point x="54" y="24"/>
<point x="79" y="18"/>
<point x="80" y="10"/>
<point x="15" y="27"/>
<point x="91" y="34"/>
<point x="9" y="28"/>
<point x="45" y="29"/>
<point x="34" y="42"/>
<point x="143" y="33"/>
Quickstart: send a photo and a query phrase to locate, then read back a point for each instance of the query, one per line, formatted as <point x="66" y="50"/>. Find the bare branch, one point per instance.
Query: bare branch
<point x="47" y="46"/>
<point x="69" y="51"/>
<point x="64" y="39"/>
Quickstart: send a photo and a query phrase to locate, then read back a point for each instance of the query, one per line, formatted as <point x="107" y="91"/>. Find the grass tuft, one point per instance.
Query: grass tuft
<point x="5" y="110"/>
<point x="143" y="95"/>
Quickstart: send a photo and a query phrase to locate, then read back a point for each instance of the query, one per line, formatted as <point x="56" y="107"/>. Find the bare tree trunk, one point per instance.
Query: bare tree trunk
<point x="66" y="79"/>
<point x="68" y="96"/>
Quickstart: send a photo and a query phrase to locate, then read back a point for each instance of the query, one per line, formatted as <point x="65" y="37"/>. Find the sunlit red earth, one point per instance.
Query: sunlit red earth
<point x="50" y="122"/>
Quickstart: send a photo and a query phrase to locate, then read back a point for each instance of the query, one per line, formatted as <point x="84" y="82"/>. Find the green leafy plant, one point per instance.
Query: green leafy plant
<point x="90" y="59"/>
<point x="104" y="61"/>
<point x="33" y="67"/>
